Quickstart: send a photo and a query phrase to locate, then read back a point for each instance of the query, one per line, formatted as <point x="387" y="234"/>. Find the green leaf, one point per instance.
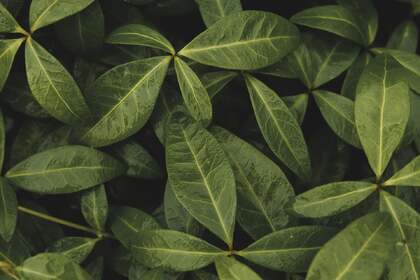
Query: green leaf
<point x="263" y="189"/>
<point x="334" y="19"/>
<point x="8" y="50"/>
<point x="16" y="250"/>
<point x="264" y="39"/>
<point x="53" y="87"/>
<point x="214" y="82"/>
<point x="297" y="105"/>
<point x="404" y="37"/>
<point x="201" y="177"/>
<point x="119" y="54"/>
<point x="213" y="10"/>
<point x="64" y="169"/>
<point x="279" y="127"/>
<point x="173" y="250"/>
<point x="8" y="23"/>
<point x="290" y="250"/>
<point x="279" y="69"/>
<point x="46" y="266"/>
<point x="230" y="269"/>
<point x="195" y="95"/>
<point x="122" y="100"/>
<point x="203" y="275"/>
<point x="94" y="206"/>
<point x="14" y="6"/>
<point x="348" y="88"/>
<point x="155" y="274"/>
<point x="46" y="12"/>
<point x="331" y="199"/>
<point x="412" y="130"/>
<point x="140" y="35"/>
<point x="380" y="124"/>
<point x="95" y="268"/>
<point x="338" y="111"/>
<point x="75" y="248"/>
<point x="58" y="137"/>
<point x="407" y="221"/>
<point x="2" y="140"/>
<point x="409" y="175"/>
<point x="360" y="251"/>
<point x="8" y="210"/>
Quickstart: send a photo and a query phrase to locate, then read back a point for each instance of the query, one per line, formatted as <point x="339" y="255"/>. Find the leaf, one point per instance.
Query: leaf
<point x="14" y="6"/>
<point x="380" y="124"/>
<point x="264" y="38"/>
<point x="279" y="127"/>
<point x="201" y="177"/>
<point x="122" y="100"/>
<point x="214" y="82"/>
<point x="334" y="19"/>
<point x="8" y="210"/>
<point x="15" y="251"/>
<point x="46" y="266"/>
<point x="61" y="136"/>
<point x="53" y="87"/>
<point x="46" y="12"/>
<point x="8" y="24"/>
<point x="8" y="50"/>
<point x="95" y="268"/>
<point x="75" y="248"/>
<point x="140" y="35"/>
<point x="195" y="95"/>
<point x="94" y="206"/>
<point x="297" y="105"/>
<point x="263" y="189"/>
<point x="230" y="269"/>
<point x="338" y="111"/>
<point x="348" y="88"/>
<point x="2" y="140"/>
<point x="331" y="199"/>
<point x="203" y="275"/>
<point x="119" y="54"/>
<point x="155" y="274"/>
<point x="279" y="69"/>
<point x="173" y="250"/>
<point x="360" y="250"/>
<point x="407" y="221"/>
<point x="409" y="175"/>
<point x="64" y="169"/>
<point x="211" y="11"/>
<point x="413" y="127"/>
<point x="404" y="37"/>
<point x="290" y="249"/>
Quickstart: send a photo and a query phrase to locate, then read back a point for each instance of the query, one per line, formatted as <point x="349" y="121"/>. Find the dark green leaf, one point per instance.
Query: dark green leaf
<point x="214" y="82"/>
<point x="75" y="248"/>
<point x="348" y="88"/>
<point x="230" y="269"/>
<point x="8" y="22"/>
<point x="213" y="10"/>
<point x="8" y="50"/>
<point x="297" y="105"/>
<point x="404" y="37"/>
<point x="8" y="210"/>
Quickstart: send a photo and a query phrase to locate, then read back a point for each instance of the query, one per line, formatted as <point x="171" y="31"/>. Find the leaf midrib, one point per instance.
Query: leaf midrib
<point x="41" y="172"/>
<point x="35" y="25"/>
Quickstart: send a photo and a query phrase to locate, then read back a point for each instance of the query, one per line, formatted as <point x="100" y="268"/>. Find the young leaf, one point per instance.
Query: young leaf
<point x="195" y="95"/>
<point x="279" y="127"/>
<point x="46" y="12"/>
<point x="122" y="100"/>
<point x="213" y="10"/>
<point x="75" y="248"/>
<point x="201" y="177"/>
<point x="8" y="210"/>
<point x="94" y="206"/>
<point x="53" y="87"/>
<point x="290" y="250"/>
<point x="64" y="169"/>
<point x="404" y="37"/>
<point x="331" y="199"/>
<point x="8" y="23"/>
<point x="140" y="35"/>
<point x="230" y="269"/>
<point x="297" y="105"/>
<point x="214" y="82"/>
<point x="360" y="250"/>
<point x="348" y="88"/>
<point x="264" y="39"/>
<point x="8" y="50"/>
<point x="380" y="124"/>
<point x="409" y="175"/>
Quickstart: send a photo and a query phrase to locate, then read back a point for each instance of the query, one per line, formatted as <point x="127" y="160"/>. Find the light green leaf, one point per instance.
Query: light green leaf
<point x="264" y="38"/>
<point x="8" y="50"/>
<point x="380" y="124"/>
<point x="8" y="210"/>
<point x="279" y="127"/>
<point x="195" y="95"/>
<point x="230" y="269"/>
<point x="360" y="251"/>
<point x="64" y="169"/>
<point x="214" y="82"/>
<point x="75" y="248"/>
<point x="404" y="37"/>
<point x="201" y="177"/>
<point x="94" y="206"/>
<point x="46" y="12"/>
<point x="297" y="105"/>
<point x="353" y="75"/>
<point x="290" y="250"/>
<point x="122" y="100"/>
<point x="409" y="175"/>
<point x="263" y="189"/>
<point x="8" y="23"/>
<point x="53" y="87"/>
<point x="140" y="35"/>
<point x="331" y="199"/>
<point x="338" y="111"/>
<point x="213" y="10"/>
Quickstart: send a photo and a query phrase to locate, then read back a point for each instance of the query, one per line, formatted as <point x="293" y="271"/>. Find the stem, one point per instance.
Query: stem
<point x="63" y="222"/>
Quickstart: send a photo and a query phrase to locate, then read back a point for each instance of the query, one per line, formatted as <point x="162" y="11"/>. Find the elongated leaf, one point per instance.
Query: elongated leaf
<point x="404" y="37"/>
<point x="75" y="248"/>
<point x="8" y="22"/>
<point x="263" y="189"/>
<point x="8" y="210"/>
<point x="409" y="175"/>
<point x="407" y="221"/>
<point x="46" y="12"/>
<point x="297" y="105"/>
<point x="213" y="10"/>
<point x="279" y="128"/>
<point x="174" y="250"/>
<point x="140" y="35"/>
<point x="290" y="249"/>
<point x="331" y="199"/>
<point x="122" y="100"/>
<point x="201" y="177"/>
<point x="230" y="269"/>
<point x="94" y="206"/>
<point x="380" y="124"/>
<point x="195" y="95"/>
<point x="53" y="87"/>
<point x="360" y="250"/>
<point x="214" y="82"/>
<point x="353" y="75"/>
<point x="64" y="170"/>
<point x="338" y="111"/>
<point x="8" y="50"/>
<point x="264" y="39"/>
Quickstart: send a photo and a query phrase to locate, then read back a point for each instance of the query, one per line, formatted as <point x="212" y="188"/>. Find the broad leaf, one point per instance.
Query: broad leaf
<point x="94" y="206"/>
<point x="297" y="105"/>
<point x="213" y="10"/>
<point x="8" y="210"/>
<point x="8" y="22"/>
<point x="8" y="50"/>
<point x="264" y="38"/>
<point x="65" y="169"/>
<point x="348" y="88"/>
<point x="230" y="269"/>
<point x="404" y="37"/>
<point x="75" y="248"/>
<point x="409" y="175"/>
<point x="214" y="82"/>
